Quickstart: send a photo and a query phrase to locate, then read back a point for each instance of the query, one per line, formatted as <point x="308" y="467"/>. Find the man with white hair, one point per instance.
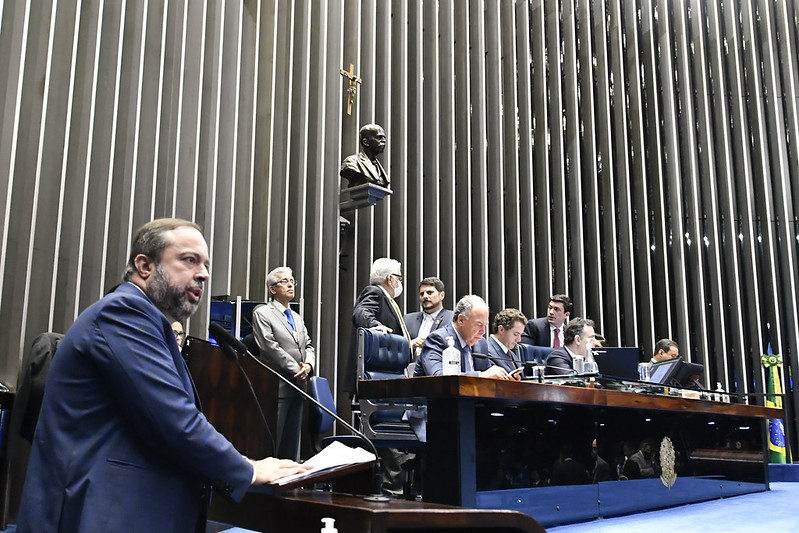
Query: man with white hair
<point x="283" y="339"/>
<point x="376" y="309"/>
<point x="467" y="329"/>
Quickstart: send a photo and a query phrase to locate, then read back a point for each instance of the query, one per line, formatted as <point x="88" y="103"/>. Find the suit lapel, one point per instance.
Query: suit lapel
<point x="281" y="318"/>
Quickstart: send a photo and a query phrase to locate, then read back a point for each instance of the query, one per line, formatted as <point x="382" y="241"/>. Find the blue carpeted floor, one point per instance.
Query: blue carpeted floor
<point x="772" y="511"/>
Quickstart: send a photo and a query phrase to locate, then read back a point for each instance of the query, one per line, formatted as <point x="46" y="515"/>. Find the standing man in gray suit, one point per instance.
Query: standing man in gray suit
<point x="283" y="340"/>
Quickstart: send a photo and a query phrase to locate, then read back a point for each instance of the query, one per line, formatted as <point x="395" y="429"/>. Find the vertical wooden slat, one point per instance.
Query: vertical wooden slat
<point x="643" y="335"/>
<point x="541" y="207"/>
<point x="513" y="203"/>
<point x="605" y="172"/>
<point x="447" y="212"/>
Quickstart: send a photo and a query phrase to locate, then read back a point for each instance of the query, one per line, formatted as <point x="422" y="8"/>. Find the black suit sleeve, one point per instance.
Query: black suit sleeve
<point x="530" y="334"/>
<point x="367" y="308"/>
<point x="559" y="363"/>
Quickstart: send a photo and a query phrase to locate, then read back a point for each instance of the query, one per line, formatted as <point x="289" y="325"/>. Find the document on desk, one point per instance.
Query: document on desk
<point x="335" y="455"/>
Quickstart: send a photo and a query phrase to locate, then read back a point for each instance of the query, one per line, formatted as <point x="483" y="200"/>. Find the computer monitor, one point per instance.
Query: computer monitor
<point x="677" y="372"/>
<point x="618" y="362"/>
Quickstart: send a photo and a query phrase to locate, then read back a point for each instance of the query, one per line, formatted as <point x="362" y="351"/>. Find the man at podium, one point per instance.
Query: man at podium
<point x="120" y="443"/>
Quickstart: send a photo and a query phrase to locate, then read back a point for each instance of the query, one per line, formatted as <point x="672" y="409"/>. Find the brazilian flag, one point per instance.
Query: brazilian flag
<point x="776" y="430"/>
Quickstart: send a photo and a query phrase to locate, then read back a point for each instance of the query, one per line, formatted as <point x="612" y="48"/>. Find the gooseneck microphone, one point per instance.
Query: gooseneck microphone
<point x="495" y="358"/>
<point x="223" y="336"/>
<point x="570" y="371"/>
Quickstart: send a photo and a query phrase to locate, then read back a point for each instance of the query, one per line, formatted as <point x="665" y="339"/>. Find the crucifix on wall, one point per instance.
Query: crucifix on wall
<point x="352" y="88"/>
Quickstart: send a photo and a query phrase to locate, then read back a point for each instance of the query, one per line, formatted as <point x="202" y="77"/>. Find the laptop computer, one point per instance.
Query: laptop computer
<point x="618" y="362"/>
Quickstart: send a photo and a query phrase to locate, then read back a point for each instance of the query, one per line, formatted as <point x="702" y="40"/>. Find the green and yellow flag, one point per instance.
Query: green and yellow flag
<point x="776" y="430"/>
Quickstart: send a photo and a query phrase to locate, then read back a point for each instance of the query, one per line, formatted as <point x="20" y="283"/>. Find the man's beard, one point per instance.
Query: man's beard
<point x="172" y="301"/>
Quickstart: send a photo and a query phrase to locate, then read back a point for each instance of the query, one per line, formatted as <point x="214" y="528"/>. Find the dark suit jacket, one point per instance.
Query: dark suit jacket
<point x="372" y="308"/>
<point x="495" y="350"/>
<point x="537" y="332"/>
<point x="413" y="321"/>
<point x="561" y="360"/>
<point x="120" y="444"/>
<point x="429" y="363"/>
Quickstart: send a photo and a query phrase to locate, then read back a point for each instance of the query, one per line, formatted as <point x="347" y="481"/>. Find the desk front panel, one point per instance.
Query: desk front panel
<point x="528" y="447"/>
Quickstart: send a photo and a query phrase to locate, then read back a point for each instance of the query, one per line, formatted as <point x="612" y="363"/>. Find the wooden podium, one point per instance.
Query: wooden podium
<point x="227" y="401"/>
<point x="303" y="510"/>
<point x="228" y="404"/>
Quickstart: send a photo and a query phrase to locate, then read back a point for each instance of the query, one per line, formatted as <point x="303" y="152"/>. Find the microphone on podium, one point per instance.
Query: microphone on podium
<point x="223" y="336"/>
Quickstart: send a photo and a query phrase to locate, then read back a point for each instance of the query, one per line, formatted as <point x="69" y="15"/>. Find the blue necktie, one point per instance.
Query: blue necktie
<point x="290" y="319"/>
<point x="469" y="366"/>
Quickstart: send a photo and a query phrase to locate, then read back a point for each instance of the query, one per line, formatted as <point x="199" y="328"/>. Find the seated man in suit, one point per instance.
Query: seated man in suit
<point x="467" y="329"/>
<point x="508" y="327"/>
<point x="432" y="316"/>
<point x="284" y="341"/>
<point x="548" y="330"/>
<point x="121" y="444"/>
<point x="577" y="339"/>
<point x="665" y="350"/>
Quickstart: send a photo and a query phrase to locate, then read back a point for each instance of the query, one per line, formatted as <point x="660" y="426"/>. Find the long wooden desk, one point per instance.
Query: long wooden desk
<point x="478" y="427"/>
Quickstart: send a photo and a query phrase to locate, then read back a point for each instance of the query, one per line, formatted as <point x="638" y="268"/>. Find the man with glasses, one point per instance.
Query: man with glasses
<point x="283" y="340"/>
<point x="376" y="309"/>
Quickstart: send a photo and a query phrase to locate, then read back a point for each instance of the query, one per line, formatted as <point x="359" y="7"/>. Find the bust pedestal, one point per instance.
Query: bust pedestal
<point x="360" y="196"/>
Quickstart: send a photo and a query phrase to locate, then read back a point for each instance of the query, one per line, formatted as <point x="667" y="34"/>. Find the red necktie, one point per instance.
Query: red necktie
<point x="556" y="340"/>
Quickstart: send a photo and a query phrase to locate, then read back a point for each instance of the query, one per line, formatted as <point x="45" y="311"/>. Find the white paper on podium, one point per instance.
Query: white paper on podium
<point x="333" y="456"/>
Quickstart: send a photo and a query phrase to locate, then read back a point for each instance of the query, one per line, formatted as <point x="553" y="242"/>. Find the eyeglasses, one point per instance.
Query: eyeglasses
<point x="398" y="276"/>
<point x="287" y="281"/>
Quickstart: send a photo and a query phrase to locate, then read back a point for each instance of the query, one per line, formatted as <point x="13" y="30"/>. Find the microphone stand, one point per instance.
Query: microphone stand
<point x="230" y="353"/>
<point x="224" y="336"/>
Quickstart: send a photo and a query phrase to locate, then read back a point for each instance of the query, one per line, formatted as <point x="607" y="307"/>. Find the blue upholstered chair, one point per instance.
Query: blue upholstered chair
<point x="534" y="354"/>
<point x="382" y="356"/>
<point x="321" y="422"/>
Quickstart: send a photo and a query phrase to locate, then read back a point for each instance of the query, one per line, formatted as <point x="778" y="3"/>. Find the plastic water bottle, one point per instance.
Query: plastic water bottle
<point x="327" y="525"/>
<point x="451" y="359"/>
<point x="720" y="394"/>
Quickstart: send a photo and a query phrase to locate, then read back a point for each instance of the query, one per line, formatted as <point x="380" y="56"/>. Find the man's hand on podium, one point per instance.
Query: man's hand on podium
<point x="269" y="469"/>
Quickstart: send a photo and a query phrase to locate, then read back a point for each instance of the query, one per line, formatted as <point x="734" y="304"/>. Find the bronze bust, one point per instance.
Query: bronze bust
<point x="364" y="167"/>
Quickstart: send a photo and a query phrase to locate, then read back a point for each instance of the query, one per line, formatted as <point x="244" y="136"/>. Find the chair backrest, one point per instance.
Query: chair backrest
<point x="536" y="354"/>
<point x="321" y="422"/>
<point x="251" y="344"/>
<point x="382" y="356"/>
<point x="33" y="375"/>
